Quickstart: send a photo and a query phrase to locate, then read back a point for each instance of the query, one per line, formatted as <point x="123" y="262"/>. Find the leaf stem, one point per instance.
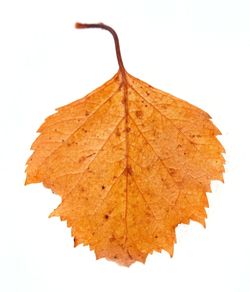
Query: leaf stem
<point x="116" y="40"/>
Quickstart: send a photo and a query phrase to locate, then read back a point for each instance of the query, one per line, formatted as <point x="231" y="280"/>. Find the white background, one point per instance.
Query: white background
<point x="195" y="49"/>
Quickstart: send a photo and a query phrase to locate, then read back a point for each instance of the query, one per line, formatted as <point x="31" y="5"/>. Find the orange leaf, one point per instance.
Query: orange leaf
<point x="130" y="163"/>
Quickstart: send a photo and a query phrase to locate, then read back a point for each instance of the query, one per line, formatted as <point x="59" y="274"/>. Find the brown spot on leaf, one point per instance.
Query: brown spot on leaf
<point x="128" y="129"/>
<point x="172" y="171"/>
<point x="139" y="114"/>
<point x="81" y="159"/>
<point x="117" y="132"/>
<point x="129" y="170"/>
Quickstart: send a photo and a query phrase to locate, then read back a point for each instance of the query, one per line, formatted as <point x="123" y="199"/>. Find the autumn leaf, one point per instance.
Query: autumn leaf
<point x="130" y="163"/>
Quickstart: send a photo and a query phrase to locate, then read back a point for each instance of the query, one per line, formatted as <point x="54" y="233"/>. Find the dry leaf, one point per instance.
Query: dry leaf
<point x="130" y="163"/>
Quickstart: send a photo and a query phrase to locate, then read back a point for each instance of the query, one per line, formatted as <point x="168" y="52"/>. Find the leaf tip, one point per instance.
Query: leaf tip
<point x="28" y="180"/>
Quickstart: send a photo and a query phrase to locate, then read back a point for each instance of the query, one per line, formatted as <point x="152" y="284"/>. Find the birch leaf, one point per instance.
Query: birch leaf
<point x="130" y="163"/>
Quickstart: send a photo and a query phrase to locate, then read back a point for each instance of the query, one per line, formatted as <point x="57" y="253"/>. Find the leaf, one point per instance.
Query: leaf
<point x="130" y="163"/>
